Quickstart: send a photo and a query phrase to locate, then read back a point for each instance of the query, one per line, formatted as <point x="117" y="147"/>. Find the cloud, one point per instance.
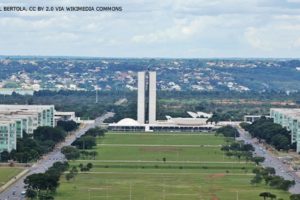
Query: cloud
<point x="154" y="28"/>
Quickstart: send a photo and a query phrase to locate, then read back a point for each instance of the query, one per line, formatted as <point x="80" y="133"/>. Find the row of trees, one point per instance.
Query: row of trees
<point x="270" y="132"/>
<point x="74" y="171"/>
<point x="85" y="142"/>
<point x="228" y="131"/>
<point x="268" y="176"/>
<point x="31" y="148"/>
<point x="88" y="141"/>
<point x="44" y="185"/>
<point x="68" y="126"/>
<point x="241" y="150"/>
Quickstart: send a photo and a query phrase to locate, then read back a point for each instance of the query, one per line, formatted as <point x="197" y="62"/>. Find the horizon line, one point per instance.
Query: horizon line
<point x="146" y="57"/>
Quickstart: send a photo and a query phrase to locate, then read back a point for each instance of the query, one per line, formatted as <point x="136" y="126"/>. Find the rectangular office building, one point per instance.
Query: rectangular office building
<point x="290" y="119"/>
<point x="17" y="119"/>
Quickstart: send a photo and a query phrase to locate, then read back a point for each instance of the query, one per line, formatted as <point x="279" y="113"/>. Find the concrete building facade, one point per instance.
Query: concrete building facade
<point x="141" y="98"/>
<point x="8" y="136"/>
<point x="17" y="119"/>
<point x="152" y="97"/>
<point x="290" y="119"/>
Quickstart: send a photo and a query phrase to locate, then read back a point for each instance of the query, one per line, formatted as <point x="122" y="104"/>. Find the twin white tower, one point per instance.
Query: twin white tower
<point x="142" y="97"/>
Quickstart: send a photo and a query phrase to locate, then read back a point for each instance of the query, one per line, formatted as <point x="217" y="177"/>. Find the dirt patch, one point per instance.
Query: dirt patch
<point x="160" y="149"/>
<point x="214" y="197"/>
<point x="215" y="176"/>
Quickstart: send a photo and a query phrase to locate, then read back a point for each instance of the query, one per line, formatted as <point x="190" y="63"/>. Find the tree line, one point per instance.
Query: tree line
<point x="32" y="147"/>
<point x="273" y="134"/>
<point x="43" y="186"/>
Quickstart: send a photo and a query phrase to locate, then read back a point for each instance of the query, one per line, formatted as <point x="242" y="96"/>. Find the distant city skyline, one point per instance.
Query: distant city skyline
<point x="158" y="29"/>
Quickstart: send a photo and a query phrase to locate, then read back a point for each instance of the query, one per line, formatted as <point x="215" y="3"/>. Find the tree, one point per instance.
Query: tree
<point x="295" y="197"/>
<point x="44" y="133"/>
<point x="44" y="184"/>
<point x="264" y="195"/>
<point x="272" y="133"/>
<point x="228" y="131"/>
<point x="286" y="184"/>
<point x="30" y="193"/>
<point x="89" y="166"/>
<point x="164" y="159"/>
<point x="69" y="176"/>
<point x="5" y="156"/>
<point x="256" y="179"/>
<point x="280" y="142"/>
<point x="70" y="152"/>
<point x="85" y="142"/>
<point x="258" y="159"/>
<point x="272" y="196"/>
<point x="270" y="170"/>
<point x="68" y="125"/>
<point x="96" y="132"/>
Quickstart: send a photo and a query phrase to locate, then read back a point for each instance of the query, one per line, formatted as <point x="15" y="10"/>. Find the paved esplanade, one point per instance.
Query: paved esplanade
<point x="281" y="169"/>
<point x="14" y="191"/>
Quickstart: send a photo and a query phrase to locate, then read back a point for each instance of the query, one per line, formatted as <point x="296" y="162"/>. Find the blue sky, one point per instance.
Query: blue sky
<point x="156" y="28"/>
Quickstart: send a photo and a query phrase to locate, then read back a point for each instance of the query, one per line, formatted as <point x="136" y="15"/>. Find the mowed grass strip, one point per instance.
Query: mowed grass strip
<point x="7" y="173"/>
<point x="157" y="153"/>
<point x="162" y="139"/>
<point x="161" y="186"/>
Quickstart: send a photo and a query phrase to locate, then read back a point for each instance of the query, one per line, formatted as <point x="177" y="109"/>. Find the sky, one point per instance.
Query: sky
<point x="155" y="28"/>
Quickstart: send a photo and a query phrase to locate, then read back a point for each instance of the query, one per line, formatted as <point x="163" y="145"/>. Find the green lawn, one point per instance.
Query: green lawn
<point x="163" y="139"/>
<point x="6" y="173"/>
<point x="137" y="172"/>
<point x="167" y="186"/>
<point x="156" y="153"/>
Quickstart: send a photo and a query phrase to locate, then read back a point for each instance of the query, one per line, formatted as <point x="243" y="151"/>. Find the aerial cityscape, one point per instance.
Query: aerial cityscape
<point x="150" y="100"/>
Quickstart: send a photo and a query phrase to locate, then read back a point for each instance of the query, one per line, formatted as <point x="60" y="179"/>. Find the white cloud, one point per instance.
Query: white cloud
<point x="169" y="28"/>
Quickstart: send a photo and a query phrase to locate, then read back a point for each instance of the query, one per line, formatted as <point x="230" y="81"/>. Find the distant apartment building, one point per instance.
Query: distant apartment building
<point x="290" y="119"/>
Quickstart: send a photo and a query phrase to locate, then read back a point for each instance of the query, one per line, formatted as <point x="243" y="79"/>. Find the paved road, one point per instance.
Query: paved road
<point x="14" y="191"/>
<point x="282" y="169"/>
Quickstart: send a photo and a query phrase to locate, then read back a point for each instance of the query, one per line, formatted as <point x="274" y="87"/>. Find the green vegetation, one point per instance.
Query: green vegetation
<point x="70" y="152"/>
<point x="44" y="185"/>
<point x="162" y="166"/>
<point x="227" y="105"/>
<point x="68" y="125"/>
<point x="162" y="138"/>
<point x="88" y="141"/>
<point x="268" y="175"/>
<point x="6" y="173"/>
<point x="272" y="133"/>
<point x="31" y="148"/>
<point x="228" y="131"/>
<point x="85" y="142"/>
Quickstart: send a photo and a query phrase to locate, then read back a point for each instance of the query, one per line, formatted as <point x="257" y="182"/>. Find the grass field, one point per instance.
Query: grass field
<point x="6" y="173"/>
<point x="130" y="166"/>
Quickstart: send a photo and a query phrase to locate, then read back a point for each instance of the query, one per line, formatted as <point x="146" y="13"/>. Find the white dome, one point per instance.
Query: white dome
<point x="128" y="122"/>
